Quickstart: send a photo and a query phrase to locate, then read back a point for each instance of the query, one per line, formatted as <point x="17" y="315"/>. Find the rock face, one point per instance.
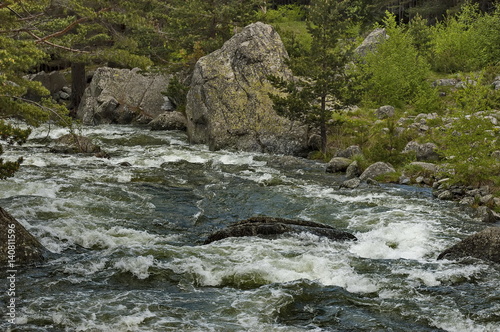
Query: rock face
<point x="27" y="248"/>
<point x="269" y="227"/>
<point x="169" y="121"/>
<point x="123" y="96"/>
<point x="228" y="104"/>
<point x="374" y="170"/>
<point x="484" y="245"/>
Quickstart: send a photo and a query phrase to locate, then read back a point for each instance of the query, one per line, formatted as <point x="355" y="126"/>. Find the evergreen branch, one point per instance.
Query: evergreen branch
<point x="69" y="27"/>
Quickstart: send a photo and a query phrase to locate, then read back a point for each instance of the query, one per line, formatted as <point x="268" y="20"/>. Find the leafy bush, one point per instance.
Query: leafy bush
<point x="396" y="74"/>
<point x="466" y="42"/>
<point x="467" y="145"/>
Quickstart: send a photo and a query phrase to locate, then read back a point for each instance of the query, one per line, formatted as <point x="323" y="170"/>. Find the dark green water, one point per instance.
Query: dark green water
<point x="128" y="253"/>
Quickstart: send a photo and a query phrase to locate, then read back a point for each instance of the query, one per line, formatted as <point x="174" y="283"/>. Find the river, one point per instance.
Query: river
<point x="128" y="254"/>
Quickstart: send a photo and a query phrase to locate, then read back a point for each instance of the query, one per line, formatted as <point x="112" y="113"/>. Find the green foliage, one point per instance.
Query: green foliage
<point x="467" y="41"/>
<point x="17" y="56"/>
<point x="467" y="145"/>
<point x="322" y="89"/>
<point x="396" y="74"/>
<point x="206" y="25"/>
<point x="177" y="92"/>
<point x="477" y="95"/>
<point x="386" y="143"/>
<point x="282" y="14"/>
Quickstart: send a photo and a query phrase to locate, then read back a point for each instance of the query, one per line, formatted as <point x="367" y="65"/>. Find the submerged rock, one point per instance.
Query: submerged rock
<point x="18" y="246"/>
<point x="72" y="143"/>
<point x="269" y="227"/>
<point x="228" y="104"/>
<point x="484" y="245"/>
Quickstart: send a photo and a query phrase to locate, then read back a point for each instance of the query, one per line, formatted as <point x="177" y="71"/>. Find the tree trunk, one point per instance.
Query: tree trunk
<point x="78" y="85"/>
<point x="323" y="125"/>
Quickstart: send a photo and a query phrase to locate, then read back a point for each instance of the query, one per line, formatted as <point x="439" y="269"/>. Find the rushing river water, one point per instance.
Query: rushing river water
<point x="128" y="253"/>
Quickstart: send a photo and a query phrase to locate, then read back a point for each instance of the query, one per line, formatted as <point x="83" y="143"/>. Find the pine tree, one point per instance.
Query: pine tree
<point x="320" y="88"/>
<point x="17" y="57"/>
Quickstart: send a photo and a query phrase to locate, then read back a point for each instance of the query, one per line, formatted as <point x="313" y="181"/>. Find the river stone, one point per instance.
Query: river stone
<point x="484" y="245"/>
<point x="269" y="227"/>
<point x="228" y="104"/>
<point x="485" y="214"/>
<point x="353" y="170"/>
<point x="351" y="183"/>
<point x="123" y="96"/>
<point x="169" y="121"/>
<point x="27" y="248"/>
<point x="338" y="164"/>
<point x="376" y="169"/>
<point x="72" y="143"/>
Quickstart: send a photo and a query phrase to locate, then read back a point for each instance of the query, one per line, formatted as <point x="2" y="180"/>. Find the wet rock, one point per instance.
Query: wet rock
<point x="17" y="241"/>
<point x="338" y="164"/>
<point x="484" y="245"/>
<point x="228" y="104"/>
<point x="485" y="214"/>
<point x="445" y="195"/>
<point x="351" y="183"/>
<point x="353" y="170"/>
<point x="469" y="201"/>
<point x="72" y="143"/>
<point x="377" y="169"/>
<point x="404" y="179"/>
<point x="169" y="121"/>
<point x="269" y="227"/>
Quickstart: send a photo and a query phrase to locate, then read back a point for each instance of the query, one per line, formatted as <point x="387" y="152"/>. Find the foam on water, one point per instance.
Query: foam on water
<point x="254" y="261"/>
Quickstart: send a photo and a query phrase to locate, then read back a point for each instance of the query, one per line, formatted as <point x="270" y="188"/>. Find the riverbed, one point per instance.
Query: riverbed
<point x="126" y="235"/>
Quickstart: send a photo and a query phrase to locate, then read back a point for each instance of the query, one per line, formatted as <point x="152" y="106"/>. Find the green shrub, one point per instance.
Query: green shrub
<point x="466" y="42"/>
<point x="396" y="74"/>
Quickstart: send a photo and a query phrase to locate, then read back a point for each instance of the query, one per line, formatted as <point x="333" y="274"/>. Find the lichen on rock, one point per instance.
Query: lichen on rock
<point x="228" y="104"/>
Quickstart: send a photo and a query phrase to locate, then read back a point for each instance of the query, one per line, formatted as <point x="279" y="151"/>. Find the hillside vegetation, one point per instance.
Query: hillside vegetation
<point x="440" y="73"/>
<point x="444" y="82"/>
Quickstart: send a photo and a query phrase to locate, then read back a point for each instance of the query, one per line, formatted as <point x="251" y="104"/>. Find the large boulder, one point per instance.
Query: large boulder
<point x="18" y="246"/>
<point x="169" y="121"/>
<point x="269" y="227"/>
<point x="484" y="245"/>
<point x="338" y="164"/>
<point x="423" y="152"/>
<point x="377" y="169"/>
<point x="370" y="43"/>
<point x="53" y="81"/>
<point x="228" y="104"/>
<point x="123" y="96"/>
